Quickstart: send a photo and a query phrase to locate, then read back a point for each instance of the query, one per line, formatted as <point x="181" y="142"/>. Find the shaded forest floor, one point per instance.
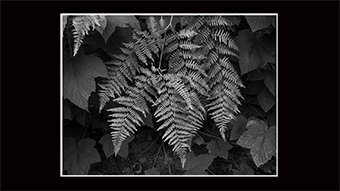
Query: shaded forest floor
<point x="149" y="156"/>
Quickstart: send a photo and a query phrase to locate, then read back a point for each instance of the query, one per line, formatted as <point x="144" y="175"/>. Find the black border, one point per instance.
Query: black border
<point x="308" y="37"/>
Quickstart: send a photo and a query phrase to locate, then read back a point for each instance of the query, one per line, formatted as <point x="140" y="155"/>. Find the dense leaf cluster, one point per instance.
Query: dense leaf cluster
<point x="184" y="73"/>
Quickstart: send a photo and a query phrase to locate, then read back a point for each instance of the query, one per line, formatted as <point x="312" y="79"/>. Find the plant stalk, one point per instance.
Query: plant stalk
<point x="148" y="146"/>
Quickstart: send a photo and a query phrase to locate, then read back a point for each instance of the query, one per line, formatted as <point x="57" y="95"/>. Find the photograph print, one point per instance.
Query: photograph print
<point x="168" y="95"/>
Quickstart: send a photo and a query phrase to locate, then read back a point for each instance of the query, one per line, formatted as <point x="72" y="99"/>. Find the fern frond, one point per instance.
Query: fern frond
<point x="129" y="45"/>
<point x="188" y="45"/>
<point x="208" y="44"/>
<point x="223" y="49"/>
<point x="193" y="22"/>
<point x="78" y="41"/>
<point x="218" y="21"/>
<point x="126" y="118"/>
<point x="174" y="55"/>
<point x="176" y="82"/>
<point x="186" y="34"/>
<point x="112" y="87"/>
<point x="162" y="22"/>
<point x="157" y="28"/>
<point x="224" y="94"/>
<point x="203" y="34"/>
<point x="223" y="36"/>
<point x="120" y="57"/>
<point x="193" y="65"/>
<point x="104" y="96"/>
<point x="212" y="58"/>
<point x="152" y="25"/>
<point x="198" y="105"/>
<point x="171" y="47"/>
<point x="179" y="122"/>
<point x="123" y="123"/>
<point x="198" y="83"/>
<point x="140" y="54"/>
<point x="152" y="45"/>
<point x="124" y="67"/>
<point x="146" y="49"/>
<point x="213" y="71"/>
<point x="190" y="76"/>
<point x="170" y="38"/>
<point x="197" y="55"/>
<point x="134" y="101"/>
<point x="130" y="66"/>
<point x="108" y="90"/>
<point x="178" y="132"/>
<point x="83" y="24"/>
<point x="214" y="42"/>
<point x="146" y="85"/>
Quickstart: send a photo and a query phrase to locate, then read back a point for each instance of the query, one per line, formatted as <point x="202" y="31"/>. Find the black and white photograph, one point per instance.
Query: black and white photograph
<point x="164" y="95"/>
<point x="169" y="95"/>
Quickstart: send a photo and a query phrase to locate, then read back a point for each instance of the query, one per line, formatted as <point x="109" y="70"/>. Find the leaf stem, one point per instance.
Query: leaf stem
<point x="238" y="167"/>
<point x="249" y="102"/>
<point x="148" y="146"/>
<point x="84" y="132"/>
<point x="255" y="110"/>
<point x="208" y="130"/>
<point x="209" y="135"/>
<point x="86" y="124"/>
<point x="69" y="45"/>
<point x="160" y="60"/>
<point x="267" y="120"/>
<point x="157" y="156"/>
<point x="102" y="130"/>
<point x="170" y="23"/>
<point x="166" y="156"/>
<point x="210" y="171"/>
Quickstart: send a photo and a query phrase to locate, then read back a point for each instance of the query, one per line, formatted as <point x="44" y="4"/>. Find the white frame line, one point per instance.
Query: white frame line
<point x="61" y="93"/>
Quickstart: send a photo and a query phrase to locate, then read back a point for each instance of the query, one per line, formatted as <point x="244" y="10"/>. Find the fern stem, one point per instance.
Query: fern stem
<point x="157" y="156"/>
<point x="148" y="146"/>
<point x="160" y="60"/>
<point x="170" y="23"/>
<point x="166" y="156"/>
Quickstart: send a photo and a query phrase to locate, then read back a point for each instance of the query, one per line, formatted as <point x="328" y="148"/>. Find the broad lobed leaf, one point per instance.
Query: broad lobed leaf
<point x="260" y="140"/>
<point x="78" y="157"/>
<point x="78" y="77"/>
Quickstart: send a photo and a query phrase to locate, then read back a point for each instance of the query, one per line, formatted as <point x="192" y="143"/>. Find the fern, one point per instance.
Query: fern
<point x="181" y="118"/>
<point x="82" y="25"/>
<point x="131" y="85"/>
<point x="218" y="21"/>
<point x="124" y="120"/>
<point x="185" y="74"/>
<point x="153" y="25"/>
<point x="223" y="80"/>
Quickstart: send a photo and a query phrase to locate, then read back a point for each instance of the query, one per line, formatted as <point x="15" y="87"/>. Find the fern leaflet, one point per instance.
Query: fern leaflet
<point x="82" y="25"/>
